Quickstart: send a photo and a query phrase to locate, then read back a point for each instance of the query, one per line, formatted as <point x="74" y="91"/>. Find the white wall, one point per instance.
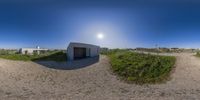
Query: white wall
<point x="30" y="50"/>
<point x="94" y="50"/>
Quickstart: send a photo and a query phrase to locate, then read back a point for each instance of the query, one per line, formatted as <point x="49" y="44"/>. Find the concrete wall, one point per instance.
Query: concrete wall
<point x="31" y="50"/>
<point x="91" y="50"/>
<point x="23" y="51"/>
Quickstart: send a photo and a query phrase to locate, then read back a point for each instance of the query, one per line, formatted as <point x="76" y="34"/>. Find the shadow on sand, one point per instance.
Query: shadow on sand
<point x="69" y="65"/>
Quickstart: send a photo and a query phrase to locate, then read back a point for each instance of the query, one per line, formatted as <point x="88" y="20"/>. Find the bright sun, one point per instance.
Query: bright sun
<point x="100" y="36"/>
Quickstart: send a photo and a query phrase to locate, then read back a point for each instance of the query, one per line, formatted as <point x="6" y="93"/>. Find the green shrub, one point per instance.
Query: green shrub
<point x="141" y="68"/>
<point x="3" y="52"/>
<point x="49" y="56"/>
<point x="198" y="54"/>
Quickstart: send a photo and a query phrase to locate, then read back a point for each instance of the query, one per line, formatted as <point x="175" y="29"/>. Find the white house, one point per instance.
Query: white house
<point x="81" y="50"/>
<point x="31" y="51"/>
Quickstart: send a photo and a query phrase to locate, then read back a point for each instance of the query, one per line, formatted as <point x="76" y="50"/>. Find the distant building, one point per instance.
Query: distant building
<point x="104" y="50"/>
<point x="147" y="49"/>
<point x="77" y="51"/>
<point x="31" y="51"/>
<point x="190" y="50"/>
<point x="163" y="49"/>
<point x="176" y="50"/>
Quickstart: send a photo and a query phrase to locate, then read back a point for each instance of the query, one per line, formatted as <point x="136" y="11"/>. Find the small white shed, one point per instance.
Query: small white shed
<point x="31" y="51"/>
<point x="77" y="51"/>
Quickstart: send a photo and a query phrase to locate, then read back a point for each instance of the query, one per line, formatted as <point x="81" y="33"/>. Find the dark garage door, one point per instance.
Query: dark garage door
<point x="79" y="53"/>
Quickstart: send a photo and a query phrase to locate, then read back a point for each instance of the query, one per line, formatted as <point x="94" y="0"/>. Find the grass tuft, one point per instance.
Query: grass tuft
<point x="141" y="68"/>
<point x="198" y="54"/>
<point x="49" y="56"/>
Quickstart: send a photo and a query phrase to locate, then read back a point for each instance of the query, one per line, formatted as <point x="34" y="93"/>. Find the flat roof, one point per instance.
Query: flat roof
<point x="78" y="43"/>
<point x="33" y="49"/>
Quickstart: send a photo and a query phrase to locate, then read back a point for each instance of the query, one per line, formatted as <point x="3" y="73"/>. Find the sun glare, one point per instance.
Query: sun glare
<point x="100" y="35"/>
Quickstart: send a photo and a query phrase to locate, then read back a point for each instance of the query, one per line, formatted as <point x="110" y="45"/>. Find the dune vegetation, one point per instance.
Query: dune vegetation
<point x="141" y="68"/>
<point x="48" y="56"/>
<point x="198" y="54"/>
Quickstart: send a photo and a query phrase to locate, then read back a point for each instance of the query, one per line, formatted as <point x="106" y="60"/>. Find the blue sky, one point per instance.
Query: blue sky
<point x="124" y="23"/>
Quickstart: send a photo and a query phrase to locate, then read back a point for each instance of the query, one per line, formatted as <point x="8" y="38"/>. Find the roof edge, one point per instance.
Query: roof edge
<point x="82" y="43"/>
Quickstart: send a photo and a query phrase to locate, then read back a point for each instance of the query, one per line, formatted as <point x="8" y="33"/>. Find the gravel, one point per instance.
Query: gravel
<point x="33" y="81"/>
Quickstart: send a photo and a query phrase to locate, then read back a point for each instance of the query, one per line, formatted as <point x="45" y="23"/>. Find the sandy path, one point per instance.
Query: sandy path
<point x="28" y="80"/>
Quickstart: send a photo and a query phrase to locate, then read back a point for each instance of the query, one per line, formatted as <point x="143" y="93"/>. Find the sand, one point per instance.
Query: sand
<point x="32" y="81"/>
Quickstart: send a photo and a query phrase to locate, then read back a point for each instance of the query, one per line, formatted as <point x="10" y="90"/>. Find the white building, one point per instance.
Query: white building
<point x="31" y="51"/>
<point x="80" y="50"/>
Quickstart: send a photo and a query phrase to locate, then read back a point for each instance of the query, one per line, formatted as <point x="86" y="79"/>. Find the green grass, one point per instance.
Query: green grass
<point x="49" y="56"/>
<point x="198" y="54"/>
<point x="6" y="52"/>
<point x="141" y="68"/>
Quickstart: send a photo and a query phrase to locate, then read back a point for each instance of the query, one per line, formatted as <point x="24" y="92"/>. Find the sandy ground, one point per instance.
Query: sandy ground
<point x="29" y="80"/>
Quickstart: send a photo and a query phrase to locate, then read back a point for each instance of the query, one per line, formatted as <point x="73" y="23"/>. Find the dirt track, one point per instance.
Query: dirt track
<point x="29" y="80"/>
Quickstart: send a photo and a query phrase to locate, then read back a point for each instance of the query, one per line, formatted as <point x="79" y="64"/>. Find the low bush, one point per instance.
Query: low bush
<point x="141" y="68"/>
<point x="6" y="52"/>
<point x="198" y="54"/>
<point x="49" y="56"/>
